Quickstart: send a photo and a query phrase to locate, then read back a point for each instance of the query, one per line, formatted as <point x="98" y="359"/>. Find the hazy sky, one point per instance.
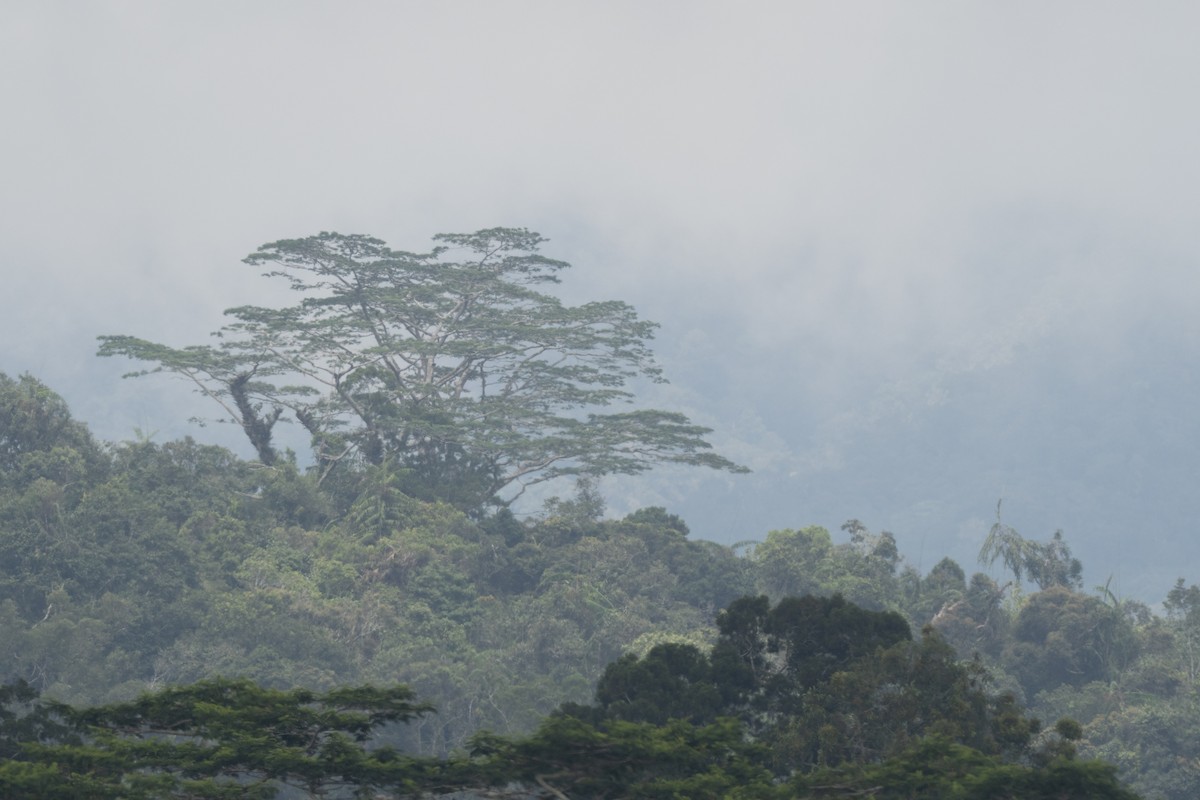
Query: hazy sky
<point x="835" y="207"/>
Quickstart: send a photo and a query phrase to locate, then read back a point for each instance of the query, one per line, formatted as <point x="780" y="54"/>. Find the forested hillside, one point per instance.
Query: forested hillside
<point x="138" y="565"/>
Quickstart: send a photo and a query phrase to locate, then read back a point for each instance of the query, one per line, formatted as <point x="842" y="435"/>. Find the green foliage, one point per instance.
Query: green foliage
<point x="937" y="769"/>
<point x="26" y="720"/>
<point x="1047" y="564"/>
<point x="1183" y="610"/>
<point x="222" y="738"/>
<point x="461" y="374"/>
<point x="586" y="507"/>
<point x="944" y="588"/>
<point x="39" y="438"/>
<point x="794" y="562"/>
<point x="1062" y="637"/>
<point x="672" y="681"/>
<point x="820" y="682"/>
<point x="1156" y="745"/>
<point x="129" y="567"/>
<point x="864" y="570"/>
<point x="568" y="757"/>
<point x="233" y="739"/>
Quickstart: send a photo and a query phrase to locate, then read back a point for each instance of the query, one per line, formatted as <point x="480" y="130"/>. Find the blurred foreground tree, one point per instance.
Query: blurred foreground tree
<point x="450" y="364"/>
<point x="221" y="739"/>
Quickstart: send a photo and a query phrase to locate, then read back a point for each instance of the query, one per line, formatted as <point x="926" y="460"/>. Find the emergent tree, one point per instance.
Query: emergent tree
<point x="451" y="365"/>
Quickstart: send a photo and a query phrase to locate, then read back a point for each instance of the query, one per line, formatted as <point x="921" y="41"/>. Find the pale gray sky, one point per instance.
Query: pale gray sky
<point x="839" y="211"/>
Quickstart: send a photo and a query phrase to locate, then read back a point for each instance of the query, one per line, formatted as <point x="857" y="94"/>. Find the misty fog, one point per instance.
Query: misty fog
<point x="906" y="264"/>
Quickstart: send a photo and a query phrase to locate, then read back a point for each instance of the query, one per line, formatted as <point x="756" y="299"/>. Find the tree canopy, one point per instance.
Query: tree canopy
<point x="452" y="365"/>
<point x="139" y="565"/>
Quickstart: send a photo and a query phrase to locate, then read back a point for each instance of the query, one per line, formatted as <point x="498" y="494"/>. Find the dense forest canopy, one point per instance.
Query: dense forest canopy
<point x="140" y="565"/>
<point x="898" y="721"/>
